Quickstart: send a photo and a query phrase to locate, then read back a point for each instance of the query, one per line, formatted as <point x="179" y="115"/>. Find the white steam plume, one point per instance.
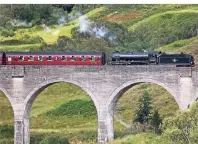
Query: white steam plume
<point x="19" y="23"/>
<point x="73" y="17"/>
<point x="98" y="31"/>
<point x="62" y="20"/>
<point x="84" y="24"/>
<point x="46" y="28"/>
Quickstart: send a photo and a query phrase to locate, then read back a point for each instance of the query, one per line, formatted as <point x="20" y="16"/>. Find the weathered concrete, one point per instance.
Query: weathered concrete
<point x="104" y="84"/>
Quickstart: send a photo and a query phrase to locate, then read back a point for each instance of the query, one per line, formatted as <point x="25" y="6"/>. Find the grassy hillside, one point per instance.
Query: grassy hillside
<point x="164" y="28"/>
<point x="128" y="15"/>
<point x="154" y="25"/>
<point x="144" y="138"/>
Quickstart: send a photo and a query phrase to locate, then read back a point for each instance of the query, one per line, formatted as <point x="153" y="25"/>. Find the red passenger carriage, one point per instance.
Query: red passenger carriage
<point x="55" y="58"/>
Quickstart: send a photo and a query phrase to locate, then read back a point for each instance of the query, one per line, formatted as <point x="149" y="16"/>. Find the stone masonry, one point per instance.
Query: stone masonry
<point x="104" y="84"/>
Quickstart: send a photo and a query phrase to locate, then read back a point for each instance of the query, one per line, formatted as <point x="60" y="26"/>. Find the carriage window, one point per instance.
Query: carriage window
<point x="30" y="58"/>
<point x="82" y="58"/>
<point x="92" y="58"/>
<point x="40" y="58"/>
<point x="63" y="58"/>
<point x="73" y="58"/>
<point x="9" y="58"/>
<point x="21" y="58"/>
<point x="49" y="58"/>
<point x="97" y="58"/>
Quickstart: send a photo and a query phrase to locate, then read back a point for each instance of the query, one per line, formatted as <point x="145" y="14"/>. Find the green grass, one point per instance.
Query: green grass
<point x="143" y="138"/>
<point x="6" y="112"/>
<point x="23" y="47"/>
<point x="52" y="36"/>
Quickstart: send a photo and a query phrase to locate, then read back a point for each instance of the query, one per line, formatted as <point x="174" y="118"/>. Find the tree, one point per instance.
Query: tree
<point x="182" y="128"/>
<point x="64" y="43"/>
<point x="156" y="121"/>
<point x="143" y="113"/>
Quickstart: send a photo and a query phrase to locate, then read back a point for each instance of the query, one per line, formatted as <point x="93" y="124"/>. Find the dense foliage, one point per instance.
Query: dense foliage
<point x="6" y="131"/>
<point x="74" y="108"/>
<point x="29" y="15"/>
<point x="183" y="128"/>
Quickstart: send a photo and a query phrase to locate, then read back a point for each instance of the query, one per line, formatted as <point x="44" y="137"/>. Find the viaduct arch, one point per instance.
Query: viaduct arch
<point x="28" y="102"/>
<point x="115" y="96"/>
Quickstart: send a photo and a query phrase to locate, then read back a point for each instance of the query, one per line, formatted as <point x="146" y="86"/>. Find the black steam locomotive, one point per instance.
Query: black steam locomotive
<point x="151" y="58"/>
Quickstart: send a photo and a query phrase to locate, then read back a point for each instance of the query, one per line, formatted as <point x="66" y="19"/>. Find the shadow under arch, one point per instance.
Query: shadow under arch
<point x="115" y="96"/>
<point x="29" y="100"/>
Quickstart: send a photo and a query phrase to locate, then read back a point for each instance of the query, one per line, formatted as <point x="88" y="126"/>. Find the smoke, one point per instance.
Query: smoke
<point x="19" y="23"/>
<point x="49" y="30"/>
<point x="84" y="24"/>
<point x="112" y="37"/>
<point x="62" y="20"/>
<point x="98" y="31"/>
<point x="75" y="16"/>
<point x="65" y="19"/>
<point x="46" y="28"/>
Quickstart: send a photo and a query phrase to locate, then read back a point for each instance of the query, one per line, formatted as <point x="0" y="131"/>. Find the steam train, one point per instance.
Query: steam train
<point x="95" y="58"/>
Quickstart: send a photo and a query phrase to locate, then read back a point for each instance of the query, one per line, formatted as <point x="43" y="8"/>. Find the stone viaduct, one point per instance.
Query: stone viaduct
<point x="104" y="84"/>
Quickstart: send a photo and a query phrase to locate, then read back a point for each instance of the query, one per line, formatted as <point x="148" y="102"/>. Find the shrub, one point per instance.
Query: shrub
<point x="6" y="131"/>
<point x="36" y="138"/>
<point x="26" y="39"/>
<point x="31" y="39"/>
<point x="6" y="32"/>
<point x="6" y="141"/>
<point x="54" y="139"/>
<point x="75" y="107"/>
